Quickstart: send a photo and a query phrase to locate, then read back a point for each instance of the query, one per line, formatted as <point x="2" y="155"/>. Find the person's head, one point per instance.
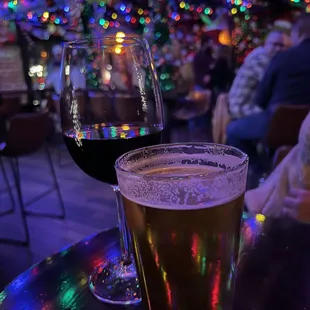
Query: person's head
<point x="301" y="29"/>
<point x="276" y="41"/>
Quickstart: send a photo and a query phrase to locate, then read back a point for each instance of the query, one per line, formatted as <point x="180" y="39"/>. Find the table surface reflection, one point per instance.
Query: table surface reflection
<point x="273" y="271"/>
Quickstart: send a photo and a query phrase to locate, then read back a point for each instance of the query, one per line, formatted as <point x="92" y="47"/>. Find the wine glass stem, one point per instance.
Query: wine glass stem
<point x="124" y="234"/>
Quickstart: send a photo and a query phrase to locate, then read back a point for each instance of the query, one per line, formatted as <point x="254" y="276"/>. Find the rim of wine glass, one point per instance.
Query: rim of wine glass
<point x="110" y="41"/>
<point x="244" y="159"/>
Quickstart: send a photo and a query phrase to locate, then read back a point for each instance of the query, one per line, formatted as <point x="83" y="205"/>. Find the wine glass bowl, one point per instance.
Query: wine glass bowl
<point x="123" y="109"/>
<point x="110" y="104"/>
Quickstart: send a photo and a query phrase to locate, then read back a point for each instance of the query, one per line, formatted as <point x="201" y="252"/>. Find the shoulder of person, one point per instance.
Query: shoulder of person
<point x="258" y="57"/>
<point x="256" y="53"/>
<point x="282" y="58"/>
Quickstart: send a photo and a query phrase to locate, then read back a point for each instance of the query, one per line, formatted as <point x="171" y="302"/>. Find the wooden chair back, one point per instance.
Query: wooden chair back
<point x="10" y="106"/>
<point x="27" y="133"/>
<point x="285" y="125"/>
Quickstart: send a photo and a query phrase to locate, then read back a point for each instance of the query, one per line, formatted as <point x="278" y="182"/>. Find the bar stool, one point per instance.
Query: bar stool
<point x="27" y="134"/>
<point x="10" y="105"/>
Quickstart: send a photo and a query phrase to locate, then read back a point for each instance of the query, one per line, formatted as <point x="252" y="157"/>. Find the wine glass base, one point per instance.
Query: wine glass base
<point x="116" y="283"/>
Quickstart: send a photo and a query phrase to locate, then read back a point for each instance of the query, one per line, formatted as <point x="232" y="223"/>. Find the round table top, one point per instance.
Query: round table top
<point x="273" y="271"/>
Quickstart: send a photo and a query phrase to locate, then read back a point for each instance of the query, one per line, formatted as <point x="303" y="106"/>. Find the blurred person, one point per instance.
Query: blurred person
<point x="53" y="78"/>
<point x="242" y="92"/>
<point x="124" y="79"/>
<point x="121" y="78"/>
<point x="287" y="77"/>
<point x="284" y="82"/>
<point x="176" y="49"/>
<point x="202" y="62"/>
<point x="240" y="100"/>
<point x="185" y="75"/>
<point x="77" y="76"/>
<point x="221" y="69"/>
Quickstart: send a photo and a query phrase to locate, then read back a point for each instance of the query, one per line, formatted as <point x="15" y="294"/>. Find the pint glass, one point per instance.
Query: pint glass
<point x="183" y="205"/>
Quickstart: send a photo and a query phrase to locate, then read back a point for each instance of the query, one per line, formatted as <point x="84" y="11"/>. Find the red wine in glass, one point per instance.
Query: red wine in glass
<point x="95" y="148"/>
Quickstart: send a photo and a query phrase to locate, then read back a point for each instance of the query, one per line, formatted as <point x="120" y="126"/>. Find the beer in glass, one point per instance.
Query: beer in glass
<point x="183" y="206"/>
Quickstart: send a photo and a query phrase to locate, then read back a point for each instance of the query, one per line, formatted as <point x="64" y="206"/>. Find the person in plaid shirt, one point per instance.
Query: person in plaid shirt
<point x="242" y="92"/>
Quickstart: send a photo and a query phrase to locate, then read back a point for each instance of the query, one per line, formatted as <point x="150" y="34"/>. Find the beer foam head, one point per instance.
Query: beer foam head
<point x="182" y="176"/>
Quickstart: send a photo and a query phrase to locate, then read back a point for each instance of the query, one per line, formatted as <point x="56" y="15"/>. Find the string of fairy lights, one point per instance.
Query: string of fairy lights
<point x="59" y="13"/>
<point x="160" y="21"/>
<point x="59" y="16"/>
<point x="249" y="29"/>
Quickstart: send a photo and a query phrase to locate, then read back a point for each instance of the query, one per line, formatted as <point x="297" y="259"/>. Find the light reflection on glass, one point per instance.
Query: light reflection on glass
<point x="168" y="289"/>
<point x="195" y="248"/>
<point x="15" y="287"/>
<point x="64" y="253"/>
<point x="131" y="134"/>
<point x="47" y="306"/>
<point x="83" y="279"/>
<point x="174" y="237"/>
<point x="113" y="132"/>
<point x="260" y="218"/>
<point x="35" y="271"/>
<point x="231" y="273"/>
<point x="2" y="297"/>
<point x="67" y="293"/>
<point x="248" y="233"/>
<point x="65" y="250"/>
<point x="142" y="131"/>
<point x="216" y="286"/>
<point x="90" y="237"/>
<point x="20" y="281"/>
<point x="203" y="266"/>
<point x="106" y="132"/>
<point x="125" y="127"/>
<point x="49" y="260"/>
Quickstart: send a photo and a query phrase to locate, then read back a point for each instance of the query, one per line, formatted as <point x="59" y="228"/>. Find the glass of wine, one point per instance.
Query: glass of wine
<point x="110" y="104"/>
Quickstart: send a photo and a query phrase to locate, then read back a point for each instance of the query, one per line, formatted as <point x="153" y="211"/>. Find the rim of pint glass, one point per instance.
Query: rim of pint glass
<point x="244" y="159"/>
<point x="106" y="41"/>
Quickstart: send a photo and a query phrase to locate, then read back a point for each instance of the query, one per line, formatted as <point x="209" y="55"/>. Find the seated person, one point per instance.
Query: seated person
<point x="240" y="100"/>
<point x="125" y="79"/>
<point x="286" y="81"/>
<point x="242" y="92"/>
<point x="201" y="64"/>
